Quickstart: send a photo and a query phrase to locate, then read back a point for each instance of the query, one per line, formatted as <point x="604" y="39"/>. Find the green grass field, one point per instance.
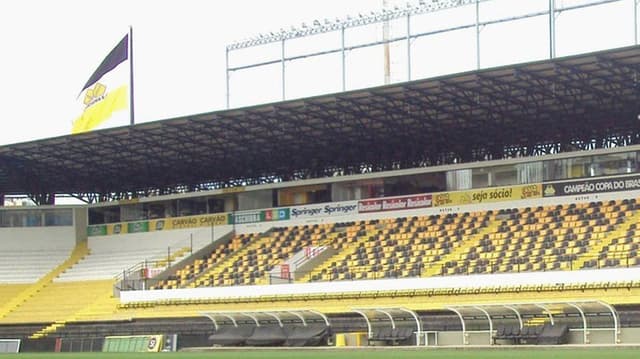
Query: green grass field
<point x="551" y="353"/>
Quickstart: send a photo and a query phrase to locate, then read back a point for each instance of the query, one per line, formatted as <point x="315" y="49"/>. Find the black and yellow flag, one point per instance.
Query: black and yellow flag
<point x="106" y="91"/>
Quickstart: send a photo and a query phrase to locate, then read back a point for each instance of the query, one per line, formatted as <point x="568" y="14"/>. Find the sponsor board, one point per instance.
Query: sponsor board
<point x="137" y="227"/>
<point x="98" y="230"/>
<point x="602" y="185"/>
<point x="275" y="214"/>
<point x="324" y="210"/>
<point x="395" y="204"/>
<point x="206" y="220"/>
<point x="108" y="229"/>
<point x="117" y="228"/>
<point x="497" y="194"/>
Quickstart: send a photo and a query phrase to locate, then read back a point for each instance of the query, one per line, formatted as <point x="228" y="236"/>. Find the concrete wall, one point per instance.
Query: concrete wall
<point x="595" y="337"/>
<point x="37" y="238"/>
<point x="480" y="280"/>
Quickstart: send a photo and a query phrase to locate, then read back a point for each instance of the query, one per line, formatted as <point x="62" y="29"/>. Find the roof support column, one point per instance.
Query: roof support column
<point x="635" y="22"/>
<point x="282" y="59"/>
<point x="552" y="29"/>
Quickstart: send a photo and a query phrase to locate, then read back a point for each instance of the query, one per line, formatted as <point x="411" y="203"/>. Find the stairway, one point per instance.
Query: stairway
<point x="79" y="252"/>
<point x="96" y="303"/>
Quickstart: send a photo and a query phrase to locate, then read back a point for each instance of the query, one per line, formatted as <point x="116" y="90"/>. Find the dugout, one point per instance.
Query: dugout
<point x="575" y="322"/>
<point x="269" y="328"/>
<point x="391" y="326"/>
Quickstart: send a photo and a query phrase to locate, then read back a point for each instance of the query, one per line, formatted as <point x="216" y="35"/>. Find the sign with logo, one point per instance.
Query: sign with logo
<point x="498" y="194"/>
<point x="205" y="220"/>
<point x="324" y="210"/>
<point x="602" y="185"/>
<point x="275" y="214"/>
<point x="137" y="227"/>
<point x="285" y="271"/>
<point x="116" y="229"/>
<point x="99" y="230"/>
<point x="395" y="204"/>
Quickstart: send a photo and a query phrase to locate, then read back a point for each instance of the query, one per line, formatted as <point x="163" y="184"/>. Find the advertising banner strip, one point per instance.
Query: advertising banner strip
<point x="276" y="214"/>
<point x="97" y="230"/>
<point x="602" y="185"/>
<point x="137" y="227"/>
<point x="395" y="204"/>
<point x="497" y="194"/>
<point x="205" y="220"/>
<point x="324" y="210"/>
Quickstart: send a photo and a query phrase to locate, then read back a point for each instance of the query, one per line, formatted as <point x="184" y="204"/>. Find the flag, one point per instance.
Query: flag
<point x="106" y="91"/>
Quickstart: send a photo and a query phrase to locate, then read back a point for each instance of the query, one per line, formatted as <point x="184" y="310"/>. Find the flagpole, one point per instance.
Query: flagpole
<point x="131" y="108"/>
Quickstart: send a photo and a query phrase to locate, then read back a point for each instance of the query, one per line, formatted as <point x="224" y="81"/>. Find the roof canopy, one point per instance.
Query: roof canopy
<point x="579" y="102"/>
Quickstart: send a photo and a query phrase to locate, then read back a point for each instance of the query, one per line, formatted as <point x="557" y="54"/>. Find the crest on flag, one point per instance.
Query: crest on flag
<point x="106" y="91"/>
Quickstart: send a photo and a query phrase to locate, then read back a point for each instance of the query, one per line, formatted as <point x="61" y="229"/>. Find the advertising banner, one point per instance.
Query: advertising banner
<point x="275" y="214"/>
<point x="601" y="185"/>
<point x="107" y="229"/>
<point x="205" y="220"/>
<point x="324" y="210"/>
<point x="116" y="228"/>
<point x="138" y="227"/>
<point x="497" y="194"/>
<point x="98" y="230"/>
<point x="395" y="204"/>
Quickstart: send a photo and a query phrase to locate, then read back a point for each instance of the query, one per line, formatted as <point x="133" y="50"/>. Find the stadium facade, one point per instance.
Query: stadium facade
<point x="490" y="207"/>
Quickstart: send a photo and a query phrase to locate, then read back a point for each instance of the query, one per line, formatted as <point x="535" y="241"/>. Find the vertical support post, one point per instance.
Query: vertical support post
<point x="408" y="47"/>
<point x="344" y="63"/>
<point x="226" y="68"/>
<point x="635" y="22"/>
<point x="132" y="111"/>
<point x="478" y="34"/>
<point x="387" y="52"/>
<point x="552" y="29"/>
<point x="282" y="71"/>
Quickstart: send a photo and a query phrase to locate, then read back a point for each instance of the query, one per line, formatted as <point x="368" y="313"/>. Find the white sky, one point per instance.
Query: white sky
<point x="50" y="48"/>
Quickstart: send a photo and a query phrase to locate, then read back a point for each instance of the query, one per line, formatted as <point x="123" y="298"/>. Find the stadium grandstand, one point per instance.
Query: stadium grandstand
<point x="491" y="207"/>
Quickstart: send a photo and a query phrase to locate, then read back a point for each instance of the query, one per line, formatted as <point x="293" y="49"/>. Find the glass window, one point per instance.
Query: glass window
<point x="58" y="217"/>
